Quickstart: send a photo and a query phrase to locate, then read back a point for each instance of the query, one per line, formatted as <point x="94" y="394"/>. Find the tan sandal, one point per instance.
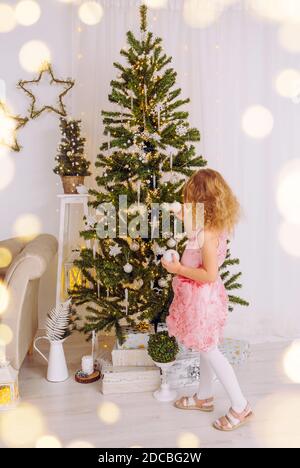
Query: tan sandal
<point x="233" y="420"/>
<point x="193" y="403"/>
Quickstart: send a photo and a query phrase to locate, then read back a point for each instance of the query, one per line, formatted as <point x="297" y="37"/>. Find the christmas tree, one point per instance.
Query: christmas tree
<point x="147" y="156"/>
<point x="70" y="159"/>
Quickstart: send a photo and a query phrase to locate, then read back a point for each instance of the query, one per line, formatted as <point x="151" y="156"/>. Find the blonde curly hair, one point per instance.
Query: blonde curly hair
<point x="221" y="207"/>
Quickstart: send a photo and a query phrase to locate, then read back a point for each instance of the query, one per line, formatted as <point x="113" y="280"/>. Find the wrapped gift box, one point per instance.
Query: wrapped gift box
<point x="236" y="351"/>
<point x="131" y="357"/>
<point x="180" y="374"/>
<point x="135" y="339"/>
<point x="128" y="379"/>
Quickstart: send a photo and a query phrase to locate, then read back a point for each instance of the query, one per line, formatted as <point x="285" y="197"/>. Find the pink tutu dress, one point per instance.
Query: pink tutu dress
<point x="198" y="312"/>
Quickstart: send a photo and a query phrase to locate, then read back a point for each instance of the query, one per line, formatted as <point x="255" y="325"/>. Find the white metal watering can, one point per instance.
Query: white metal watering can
<point x="57" y="366"/>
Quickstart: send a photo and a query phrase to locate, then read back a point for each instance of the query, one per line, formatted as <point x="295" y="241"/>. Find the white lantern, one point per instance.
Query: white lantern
<point x="72" y="273"/>
<point x="9" y="387"/>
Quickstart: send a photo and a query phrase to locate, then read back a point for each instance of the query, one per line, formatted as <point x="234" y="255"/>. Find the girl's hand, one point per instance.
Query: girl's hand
<point x="172" y="267"/>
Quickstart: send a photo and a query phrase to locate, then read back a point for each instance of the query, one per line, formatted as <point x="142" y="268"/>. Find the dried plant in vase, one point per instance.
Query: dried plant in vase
<point x="61" y="321"/>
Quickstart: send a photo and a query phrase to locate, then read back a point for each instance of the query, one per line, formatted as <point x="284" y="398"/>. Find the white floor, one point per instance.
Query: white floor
<point x="70" y="409"/>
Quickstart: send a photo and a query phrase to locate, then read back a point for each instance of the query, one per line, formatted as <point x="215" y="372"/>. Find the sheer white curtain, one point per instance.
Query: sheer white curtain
<point x="223" y="69"/>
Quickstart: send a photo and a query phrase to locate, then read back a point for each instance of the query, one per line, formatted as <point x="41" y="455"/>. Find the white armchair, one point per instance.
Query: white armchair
<point x="22" y="277"/>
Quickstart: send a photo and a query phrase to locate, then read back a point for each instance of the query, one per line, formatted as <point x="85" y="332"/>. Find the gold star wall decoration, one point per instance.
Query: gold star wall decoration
<point x="59" y="108"/>
<point x="9" y="125"/>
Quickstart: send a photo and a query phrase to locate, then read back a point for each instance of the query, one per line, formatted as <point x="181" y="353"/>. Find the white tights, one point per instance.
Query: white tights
<point x="213" y="362"/>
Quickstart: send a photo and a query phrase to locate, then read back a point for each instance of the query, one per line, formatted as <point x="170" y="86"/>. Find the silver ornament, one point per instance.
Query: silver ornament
<point x="181" y="130"/>
<point x="128" y="268"/>
<point x="171" y="243"/>
<point x="162" y="283"/>
<point x="115" y="250"/>
<point x="194" y="372"/>
<point x="134" y="246"/>
<point x="169" y="255"/>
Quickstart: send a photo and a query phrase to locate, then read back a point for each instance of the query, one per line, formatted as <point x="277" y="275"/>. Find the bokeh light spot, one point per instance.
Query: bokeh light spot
<point x="276" y="422"/>
<point x="156" y="4"/>
<point x="79" y="444"/>
<point x="33" y="55"/>
<point x="7" y="18"/>
<point x="276" y="10"/>
<point x="188" y="440"/>
<point x="227" y="3"/>
<point x="257" y="122"/>
<point x="7" y="170"/>
<point x="27" y="12"/>
<point x="289" y="235"/>
<point x="291" y="362"/>
<point x="27" y="226"/>
<point x="48" y="441"/>
<point x="289" y="37"/>
<point x="90" y="13"/>
<point x="4" y="298"/>
<point x="288" y="191"/>
<point x="287" y="83"/>
<point x="201" y="13"/>
<point x="6" y="334"/>
<point x="5" y="257"/>
<point x="22" y="426"/>
<point x="7" y="127"/>
<point x="108" y="412"/>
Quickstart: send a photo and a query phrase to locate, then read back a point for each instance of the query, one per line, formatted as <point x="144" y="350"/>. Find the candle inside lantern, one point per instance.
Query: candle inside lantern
<point x="87" y="364"/>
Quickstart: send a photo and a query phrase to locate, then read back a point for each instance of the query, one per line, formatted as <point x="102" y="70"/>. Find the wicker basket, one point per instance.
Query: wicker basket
<point x="71" y="182"/>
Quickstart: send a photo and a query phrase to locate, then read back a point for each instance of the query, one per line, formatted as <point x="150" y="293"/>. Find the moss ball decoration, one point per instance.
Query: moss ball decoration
<point x="162" y="347"/>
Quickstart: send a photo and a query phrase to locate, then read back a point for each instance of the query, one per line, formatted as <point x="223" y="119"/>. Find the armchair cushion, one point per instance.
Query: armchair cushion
<point x="37" y="254"/>
<point x="22" y="279"/>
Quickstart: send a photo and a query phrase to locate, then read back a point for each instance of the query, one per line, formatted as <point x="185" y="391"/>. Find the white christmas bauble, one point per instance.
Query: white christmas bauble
<point x="171" y="243"/>
<point x="162" y="283"/>
<point x="170" y="254"/>
<point x="175" y="207"/>
<point x="134" y="246"/>
<point x="128" y="268"/>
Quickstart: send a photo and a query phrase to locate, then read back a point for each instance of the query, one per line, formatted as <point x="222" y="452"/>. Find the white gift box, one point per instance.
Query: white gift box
<point x="236" y="351"/>
<point x="128" y="379"/>
<point x="134" y="339"/>
<point x="180" y="375"/>
<point x="131" y="357"/>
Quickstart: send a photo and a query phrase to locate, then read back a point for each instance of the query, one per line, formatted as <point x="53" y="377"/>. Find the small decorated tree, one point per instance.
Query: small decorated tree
<point x="71" y="160"/>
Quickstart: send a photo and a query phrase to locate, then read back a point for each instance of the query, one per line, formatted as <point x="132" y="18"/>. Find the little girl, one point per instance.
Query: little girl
<point x="199" y="309"/>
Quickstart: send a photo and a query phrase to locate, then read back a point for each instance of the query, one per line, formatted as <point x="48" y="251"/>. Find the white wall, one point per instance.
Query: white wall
<point x="35" y="186"/>
<point x="222" y="82"/>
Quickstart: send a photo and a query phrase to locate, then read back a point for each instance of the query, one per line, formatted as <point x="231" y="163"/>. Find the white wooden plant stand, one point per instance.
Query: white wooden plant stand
<point x="66" y="201"/>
